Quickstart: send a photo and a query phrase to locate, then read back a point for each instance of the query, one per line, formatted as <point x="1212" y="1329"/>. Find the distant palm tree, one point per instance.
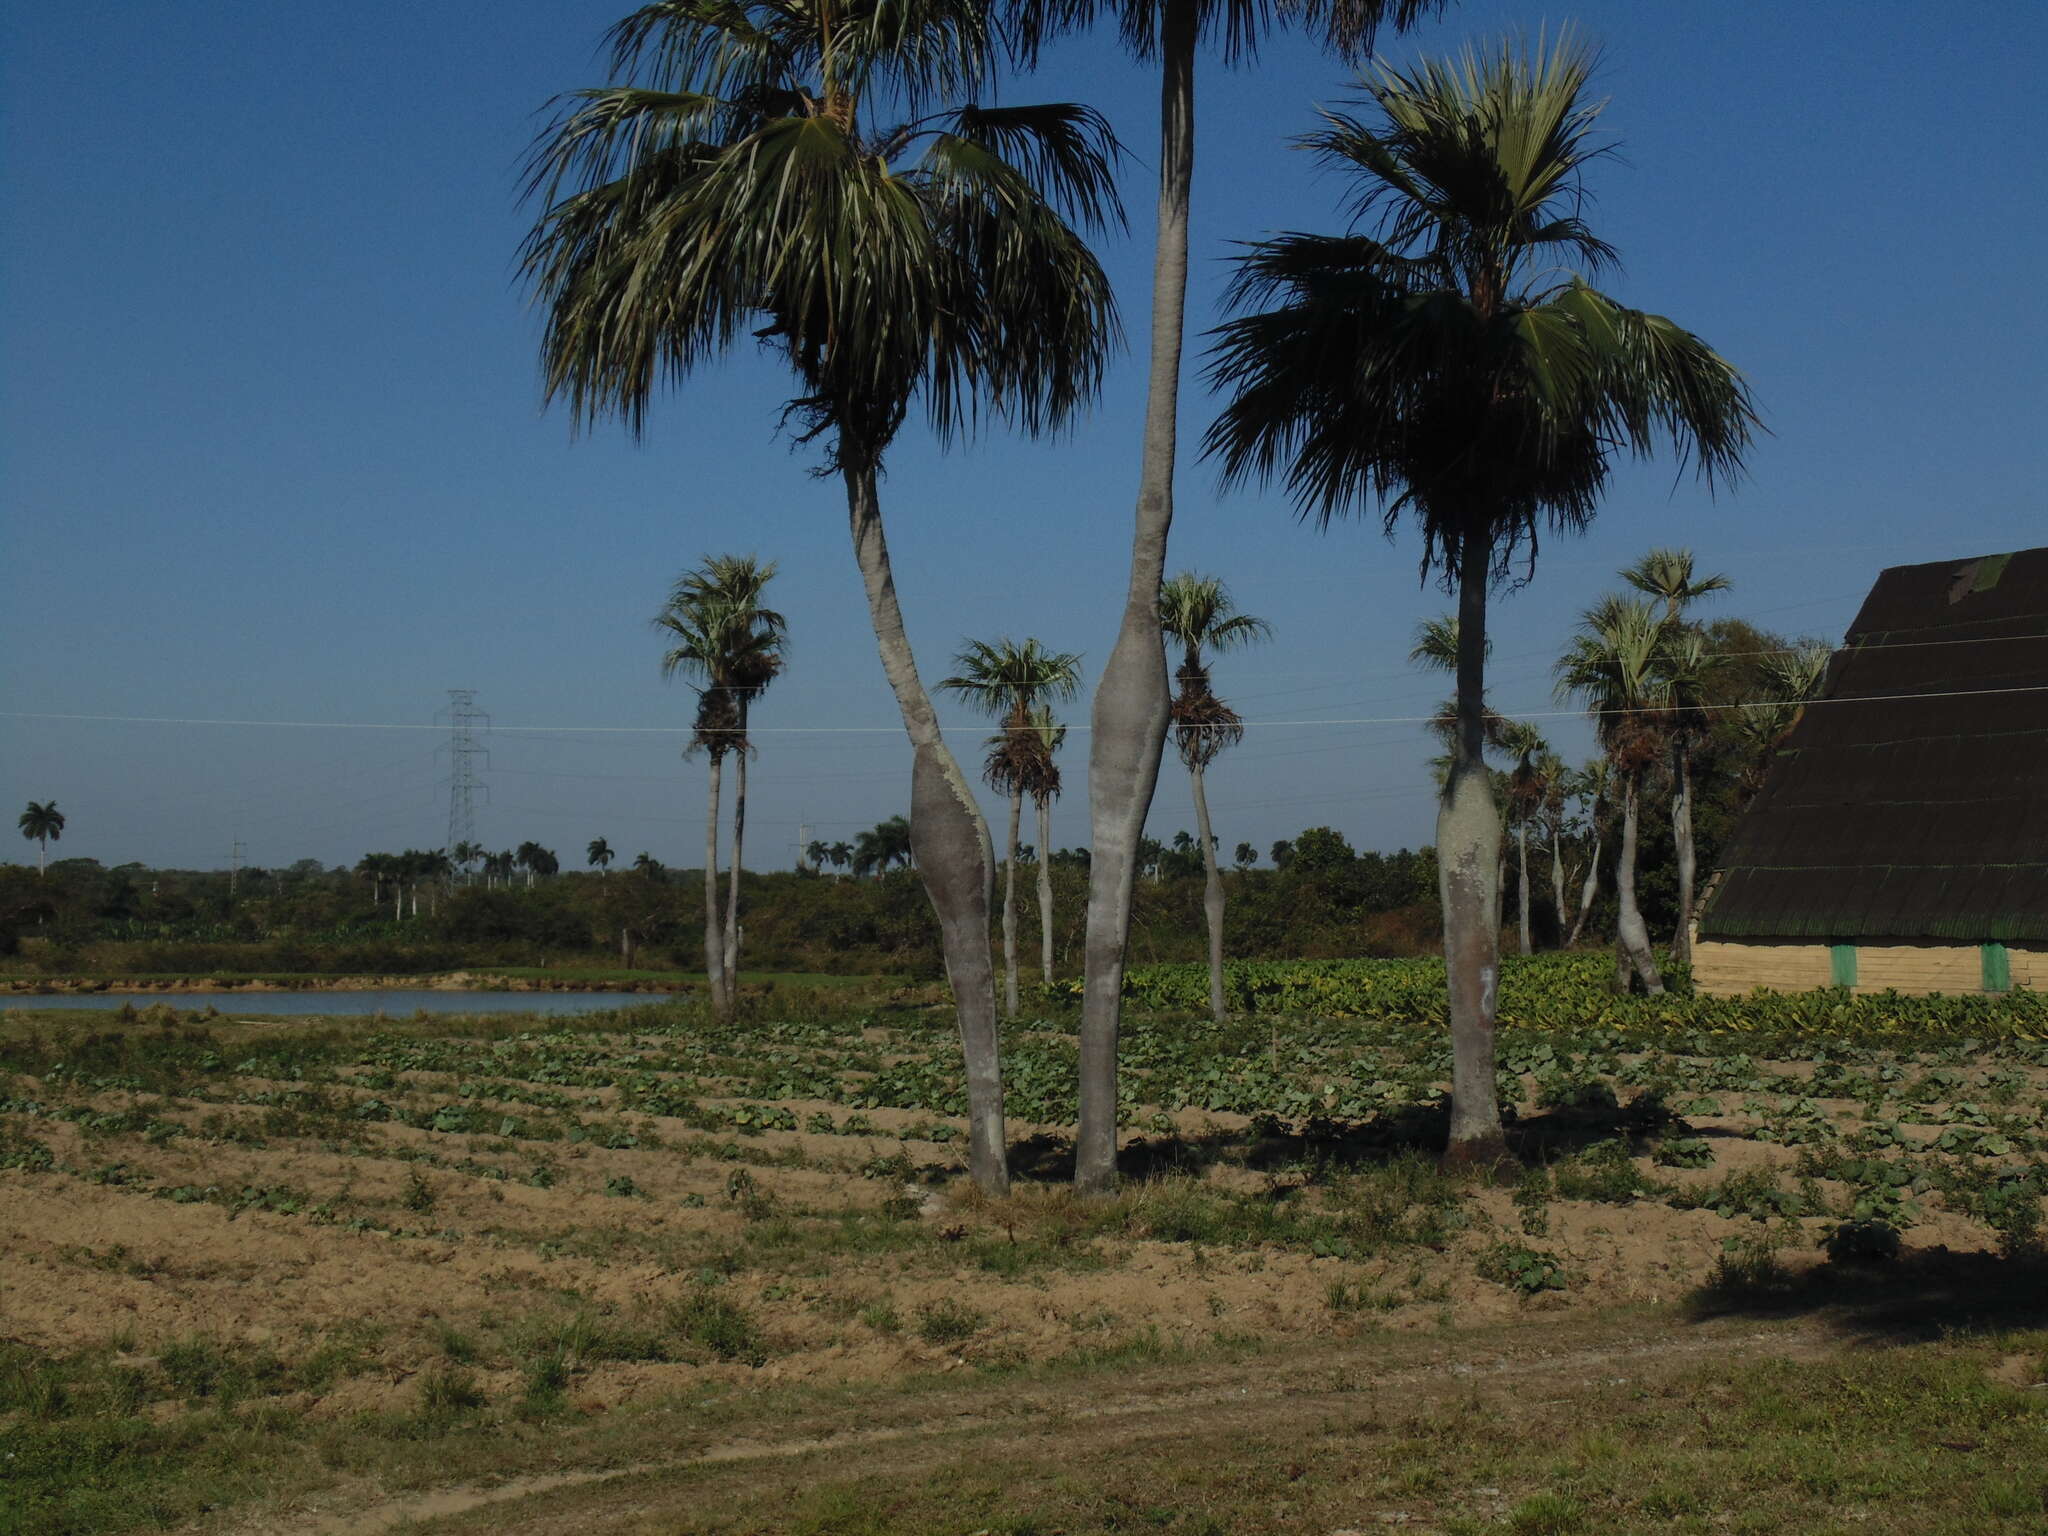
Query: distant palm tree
<point x="1042" y="783"/>
<point x="1553" y="778"/>
<point x="599" y="855"/>
<point x="1611" y="668"/>
<point x="884" y="846"/>
<point x="1791" y="678"/>
<point x="1590" y="787"/>
<point x="1246" y="856"/>
<point x="735" y="190"/>
<point x="646" y="864"/>
<point x="1197" y="614"/>
<point x="721" y="638"/>
<point x="750" y="644"/>
<point x="42" y="823"/>
<point x="1525" y="795"/>
<point x="1009" y="680"/>
<point x="1669" y="575"/>
<point x="1449" y="364"/>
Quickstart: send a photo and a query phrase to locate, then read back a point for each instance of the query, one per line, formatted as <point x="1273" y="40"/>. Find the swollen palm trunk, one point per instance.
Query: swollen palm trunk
<point x="1010" y="906"/>
<point x="1212" y="899"/>
<point x="1631" y="934"/>
<point x="1045" y="890"/>
<point x="947" y="835"/>
<point x="1681" y="838"/>
<point x="1132" y="702"/>
<point x="1468" y="872"/>
<point x="730" y="955"/>
<point x="1522" y="884"/>
<point x="714" y="943"/>
<point x="1590" y="887"/>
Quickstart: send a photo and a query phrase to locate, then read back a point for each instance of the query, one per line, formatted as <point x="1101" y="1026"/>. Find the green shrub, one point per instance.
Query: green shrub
<point x="711" y="1321"/>
<point x="1528" y="1271"/>
<point x="946" y="1322"/>
<point x="1861" y="1242"/>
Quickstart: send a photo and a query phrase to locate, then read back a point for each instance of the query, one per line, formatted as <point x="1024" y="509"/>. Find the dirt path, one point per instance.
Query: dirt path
<point x="1529" y="1363"/>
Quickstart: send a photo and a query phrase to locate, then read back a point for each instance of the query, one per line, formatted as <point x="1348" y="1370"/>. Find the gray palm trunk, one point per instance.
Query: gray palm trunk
<point x="1132" y="702"/>
<point x="948" y="837"/>
<point x="1681" y="839"/>
<point x="1045" y="890"/>
<point x="1557" y="874"/>
<point x="1010" y="906"/>
<point x="1632" y="936"/>
<point x="1468" y="872"/>
<point x="1212" y="898"/>
<point x="731" y="951"/>
<point x="1522" y="860"/>
<point x="714" y="940"/>
<point x="1589" y="888"/>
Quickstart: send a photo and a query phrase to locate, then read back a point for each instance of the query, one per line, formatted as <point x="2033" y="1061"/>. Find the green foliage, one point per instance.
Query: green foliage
<point x="947" y="1322"/>
<point x="1528" y="1271"/>
<point x="712" y="1322"/>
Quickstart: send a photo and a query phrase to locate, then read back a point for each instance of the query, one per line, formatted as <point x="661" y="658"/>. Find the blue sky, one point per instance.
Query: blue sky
<point x="272" y="446"/>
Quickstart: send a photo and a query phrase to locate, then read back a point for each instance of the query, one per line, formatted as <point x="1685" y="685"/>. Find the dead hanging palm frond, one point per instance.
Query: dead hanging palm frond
<point x="1203" y="725"/>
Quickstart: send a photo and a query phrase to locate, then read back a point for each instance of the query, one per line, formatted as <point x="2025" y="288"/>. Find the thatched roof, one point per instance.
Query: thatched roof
<point x="1911" y="799"/>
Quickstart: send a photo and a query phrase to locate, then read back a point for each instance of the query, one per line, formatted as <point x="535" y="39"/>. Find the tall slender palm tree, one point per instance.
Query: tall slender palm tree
<point x="599" y="855"/>
<point x="1670" y="576"/>
<point x="1447" y="363"/>
<point x="1590" y="786"/>
<point x="1612" y="668"/>
<point x="1687" y="669"/>
<point x="1553" y="779"/>
<point x="1043" y="785"/>
<point x="725" y="636"/>
<point x="1009" y="681"/>
<point x="1525" y="743"/>
<point x="1197" y="614"/>
<point x="742" y="186"/>
<point x="42" y="823"/>
<point x="1133" y="703"/>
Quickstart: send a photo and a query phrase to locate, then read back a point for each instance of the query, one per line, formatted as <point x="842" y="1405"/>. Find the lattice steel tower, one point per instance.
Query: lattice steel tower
<point x="466" y="756"/>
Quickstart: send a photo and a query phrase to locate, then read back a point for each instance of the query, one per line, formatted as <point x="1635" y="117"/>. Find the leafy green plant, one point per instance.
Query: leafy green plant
<point x="703" y="1317"/>
<point x="1865" y="1241"/>
<point x="1527" y="1271"/>
<point x="1685" y="1152"/>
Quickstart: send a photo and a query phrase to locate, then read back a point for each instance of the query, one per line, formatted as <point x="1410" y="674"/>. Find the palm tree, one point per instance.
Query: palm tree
<point x="1245" y="857"/>
<point x="1042" y="783"/>
<point x="528" y="857"/>
<point x="1553" y="778"/>
<point x="1590" y="786"/>
<point x="1525" y="792"/>
<point x="886" y="845"/>
<point x="1197" y="614"/>
<point x="1612" y="668"/>
<point x="736" y="190"/>
<point x="1133" y="705"/>
<point x="720" y="634"/>
<point x="599" y="855"/>
<point x="1669" y="575"/>
<point x="1449" y="365"/>
<point x="647" y="865"/>
<point x="1790" y="679"/>
<point x="40" y="824"/>
<point x="1009" y="681"/>
<point x="1133" y="701"/>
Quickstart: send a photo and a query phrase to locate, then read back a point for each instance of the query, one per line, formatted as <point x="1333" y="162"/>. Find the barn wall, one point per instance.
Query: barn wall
<point x="1728" y="968"/>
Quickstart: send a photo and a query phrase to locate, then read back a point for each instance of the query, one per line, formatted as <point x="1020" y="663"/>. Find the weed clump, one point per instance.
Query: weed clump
<point x="710" y="1321"/>
<point x="1526" y="1271"/>
<point x="947" y="1322"/>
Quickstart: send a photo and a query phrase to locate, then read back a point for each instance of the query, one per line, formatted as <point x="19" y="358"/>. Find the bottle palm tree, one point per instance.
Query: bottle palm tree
<point x="1133" y="704"/>
<point x="1670" y="576"/>
<point x="1009" y="681"/>
<point x="1042" y="783"/>
<point x="1590" y="787"/>
<point x="738" y="188"/>
<point x="1447" y="364"/>
<point x="42" y="823"/>
<point x="1553" y="778"/>
<point x="1525" y="792"/>
<point x="722" y="635"/>
<point x="598" y="854"/>
<point x="1613" y="668"/>
<point x="1197" y="614"/>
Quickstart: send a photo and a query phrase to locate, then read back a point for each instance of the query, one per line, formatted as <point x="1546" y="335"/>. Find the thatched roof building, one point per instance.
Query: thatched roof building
<point x="1900" y="839"/>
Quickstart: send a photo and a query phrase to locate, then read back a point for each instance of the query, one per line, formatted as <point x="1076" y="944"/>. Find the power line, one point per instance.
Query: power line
<point x="984" y="729"/>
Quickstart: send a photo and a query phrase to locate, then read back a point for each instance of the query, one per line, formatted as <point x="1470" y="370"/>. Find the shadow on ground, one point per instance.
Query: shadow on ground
<point x="1921" y="1296"/>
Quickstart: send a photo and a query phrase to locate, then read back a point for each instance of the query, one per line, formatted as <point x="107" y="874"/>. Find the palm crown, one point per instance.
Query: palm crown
<point x="737" y="183"/>
<point x="1198" y="614"/>
<point x="723" y="637"/>
<point x="1439" y="365"/>
<point x="1015" y="682"/>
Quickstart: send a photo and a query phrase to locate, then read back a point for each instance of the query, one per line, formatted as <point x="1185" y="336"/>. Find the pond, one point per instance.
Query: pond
<point x="398" y="1003"/>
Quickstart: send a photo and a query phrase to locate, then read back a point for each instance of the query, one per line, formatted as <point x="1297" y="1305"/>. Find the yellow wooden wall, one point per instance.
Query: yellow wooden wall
<point x="1727" y="968"/>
